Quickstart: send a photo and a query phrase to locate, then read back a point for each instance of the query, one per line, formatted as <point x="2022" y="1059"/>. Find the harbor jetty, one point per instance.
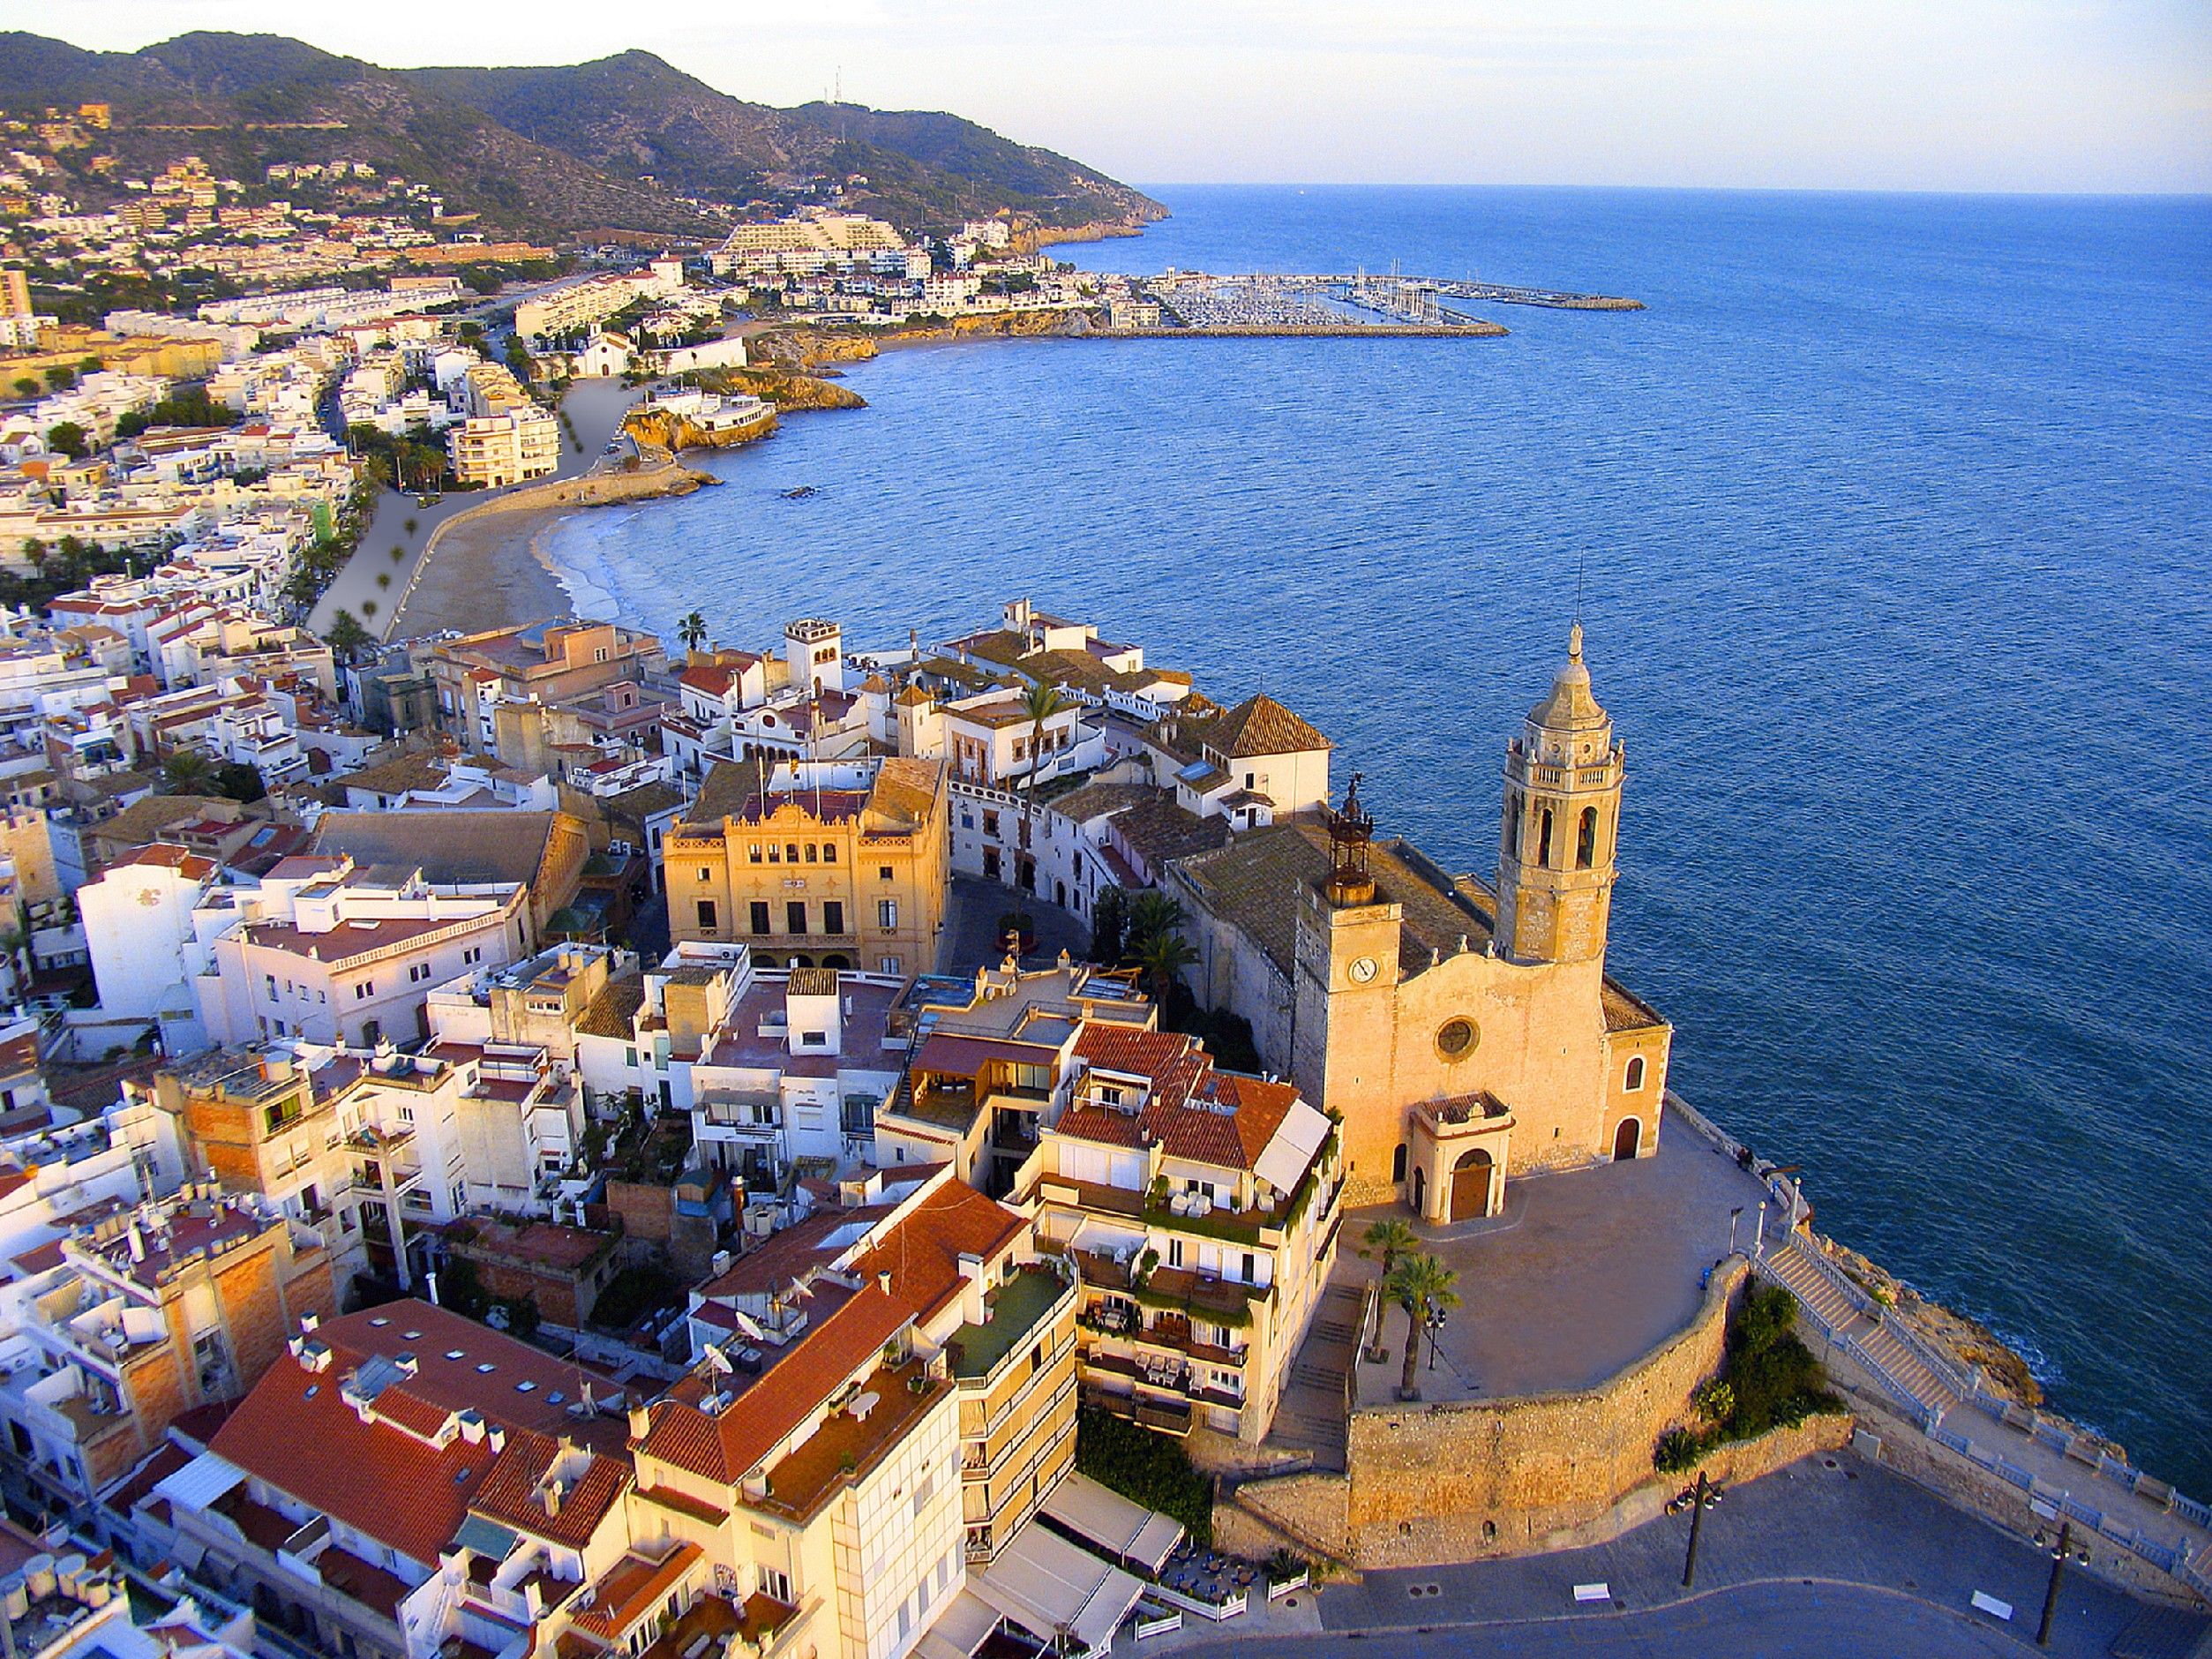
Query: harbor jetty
<point x="1357" y="303"/>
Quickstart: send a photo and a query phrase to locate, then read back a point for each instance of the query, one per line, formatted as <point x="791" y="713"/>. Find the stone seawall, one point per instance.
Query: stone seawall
<point x="1450" y="1481"/>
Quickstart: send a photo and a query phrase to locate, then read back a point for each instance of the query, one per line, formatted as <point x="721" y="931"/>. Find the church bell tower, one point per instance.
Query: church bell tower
<point x="1563" y="816"/>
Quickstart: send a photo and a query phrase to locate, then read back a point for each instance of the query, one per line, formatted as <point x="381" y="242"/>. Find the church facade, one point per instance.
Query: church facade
<point x="1463" y="1031"/>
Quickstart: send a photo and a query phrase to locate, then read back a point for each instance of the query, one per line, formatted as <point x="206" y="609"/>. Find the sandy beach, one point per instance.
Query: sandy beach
<point x="488" y="572"/>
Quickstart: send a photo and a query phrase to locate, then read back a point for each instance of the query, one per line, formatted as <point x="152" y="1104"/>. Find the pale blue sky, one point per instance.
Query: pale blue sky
<point x="1917" y="95"/>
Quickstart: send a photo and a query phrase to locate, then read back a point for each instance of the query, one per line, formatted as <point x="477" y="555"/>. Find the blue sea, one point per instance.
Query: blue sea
<point x="1892" y="517"/>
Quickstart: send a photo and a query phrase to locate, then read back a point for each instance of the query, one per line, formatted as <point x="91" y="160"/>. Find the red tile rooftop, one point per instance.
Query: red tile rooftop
<point x="846" y="1448"/>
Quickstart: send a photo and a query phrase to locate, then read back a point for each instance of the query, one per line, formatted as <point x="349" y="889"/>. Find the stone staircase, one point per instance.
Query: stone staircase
<point x="1309" y="1417"/>
<point x="1849" y="1323"/>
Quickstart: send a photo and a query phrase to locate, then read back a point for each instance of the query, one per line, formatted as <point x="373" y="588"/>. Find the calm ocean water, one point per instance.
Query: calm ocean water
<point x="1892" y="514"/>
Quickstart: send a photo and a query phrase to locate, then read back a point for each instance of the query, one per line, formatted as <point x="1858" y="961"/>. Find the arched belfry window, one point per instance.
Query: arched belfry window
<point x="1585" y="844"/>
<point x="1543" y="840"/>
<point x="1513" y="826"/>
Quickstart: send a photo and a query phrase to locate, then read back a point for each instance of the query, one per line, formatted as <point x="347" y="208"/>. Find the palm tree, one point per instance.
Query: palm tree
<point x="693" y="631"/>
<point x="1420" y="1285"/>
<point x="185" y="770"/>
<point x="1163" y="956"/>
<point x="1390" y="1238"/>
<point x="1040" y="702"/>
<point x="1151" y="913"/>
<point x="346" y="635"/>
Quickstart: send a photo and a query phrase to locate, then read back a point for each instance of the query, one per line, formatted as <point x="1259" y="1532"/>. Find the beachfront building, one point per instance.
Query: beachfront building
<point x="1463" y="1033"/>
<point x="503" y="436"/>
<point x="1251" y="764"/>
<point x="552" y="662"/>
<point x="491" y="451"/>
<point x="836" y="864"/>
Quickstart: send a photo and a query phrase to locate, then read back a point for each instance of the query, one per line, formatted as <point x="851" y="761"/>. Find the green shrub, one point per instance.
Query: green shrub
<point x="1769" y="1380"/>
<point x="1150" y="1468"/>
<point x="1678" y="1450"/>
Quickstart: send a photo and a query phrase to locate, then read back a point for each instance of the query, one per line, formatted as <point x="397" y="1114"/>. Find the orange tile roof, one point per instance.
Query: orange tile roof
<point x="298" y="1431"/>
<point x="633" y="1588"/>
<point x="729" y="1446"/>
<point x="1184" y="1113"/>
<point x="514" y="1494"/>
<point x="189" y="865"/>
<point x="922" y="1253"/>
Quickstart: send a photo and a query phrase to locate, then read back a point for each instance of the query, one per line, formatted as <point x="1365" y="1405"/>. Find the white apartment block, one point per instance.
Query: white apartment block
<point x="329" y="953"/>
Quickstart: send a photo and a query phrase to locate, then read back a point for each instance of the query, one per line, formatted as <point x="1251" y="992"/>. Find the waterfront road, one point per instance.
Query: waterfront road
<point x="1814" y="1560"/>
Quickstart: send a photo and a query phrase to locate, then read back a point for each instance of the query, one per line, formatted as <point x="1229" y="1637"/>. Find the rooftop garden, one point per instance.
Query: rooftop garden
<point x="1013" y="1311"/>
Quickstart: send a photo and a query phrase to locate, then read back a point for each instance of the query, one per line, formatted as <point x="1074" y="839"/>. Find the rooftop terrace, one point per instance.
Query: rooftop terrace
<point x="1012" y="1311"/>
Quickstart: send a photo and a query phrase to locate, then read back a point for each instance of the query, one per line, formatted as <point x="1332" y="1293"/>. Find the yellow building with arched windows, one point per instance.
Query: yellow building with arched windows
<point x="1464" y="1032"/>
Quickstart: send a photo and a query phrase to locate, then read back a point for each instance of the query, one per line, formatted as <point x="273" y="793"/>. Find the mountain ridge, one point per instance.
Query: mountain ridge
<point x="626" y="142"/>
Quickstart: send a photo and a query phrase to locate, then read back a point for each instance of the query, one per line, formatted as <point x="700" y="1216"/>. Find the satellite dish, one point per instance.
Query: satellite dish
<point x="716" y="1362"/>
<point x="745" y="1324"/>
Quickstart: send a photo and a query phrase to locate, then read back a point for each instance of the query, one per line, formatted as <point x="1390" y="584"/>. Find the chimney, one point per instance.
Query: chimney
<point x="641" y="1423"/>
<point x="883" y="1282"/>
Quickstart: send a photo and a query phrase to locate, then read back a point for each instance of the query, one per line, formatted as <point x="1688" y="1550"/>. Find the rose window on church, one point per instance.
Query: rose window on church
<point x="1456" y="1038"/>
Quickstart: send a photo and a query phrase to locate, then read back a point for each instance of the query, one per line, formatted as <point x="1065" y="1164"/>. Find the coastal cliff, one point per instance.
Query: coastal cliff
<point x="786" y="389"/>
<point x="659" y="428"/>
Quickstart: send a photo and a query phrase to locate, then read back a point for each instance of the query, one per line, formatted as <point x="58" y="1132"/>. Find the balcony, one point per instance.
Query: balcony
<point x="1218" y="1301"/>
<point x="1169" y="1415"/>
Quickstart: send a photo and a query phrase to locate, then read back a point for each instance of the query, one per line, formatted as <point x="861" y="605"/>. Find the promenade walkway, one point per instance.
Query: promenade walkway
<point x="1833" y="1555"/>
<point x="2060" y="1471"/>
<point x="595" y="407"/>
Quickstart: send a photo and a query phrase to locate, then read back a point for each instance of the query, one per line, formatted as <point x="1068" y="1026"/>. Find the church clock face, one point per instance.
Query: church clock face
<point x="1362" y="969"/>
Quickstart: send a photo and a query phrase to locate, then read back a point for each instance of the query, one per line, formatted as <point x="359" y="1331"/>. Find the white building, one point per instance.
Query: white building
<point x="330" y="953"/>
<point x="145" y="948"/>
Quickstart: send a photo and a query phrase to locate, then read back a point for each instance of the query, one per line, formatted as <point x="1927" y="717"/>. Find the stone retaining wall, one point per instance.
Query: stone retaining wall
<point x="1458" y="1479"/>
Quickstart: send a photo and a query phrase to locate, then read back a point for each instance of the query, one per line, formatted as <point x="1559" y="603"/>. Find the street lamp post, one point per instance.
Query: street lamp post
<point x="2059" y="1550"/>
<point x="1735" y="1215"/>
<point x="1697" y="1523"/>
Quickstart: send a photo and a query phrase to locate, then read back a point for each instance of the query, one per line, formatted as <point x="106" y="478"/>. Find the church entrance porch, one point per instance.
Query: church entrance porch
<point x="1457" y="1151"/>
<point x="1471" y="1180"/>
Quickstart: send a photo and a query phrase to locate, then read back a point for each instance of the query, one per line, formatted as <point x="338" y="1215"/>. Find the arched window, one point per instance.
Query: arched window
<point x="1543" y="840"/>
<point x="1634" y="1080"/>
<point x="1585" y="844"/>
<point x="1397" y="1163"/>
<point x="1513" y="827"/>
